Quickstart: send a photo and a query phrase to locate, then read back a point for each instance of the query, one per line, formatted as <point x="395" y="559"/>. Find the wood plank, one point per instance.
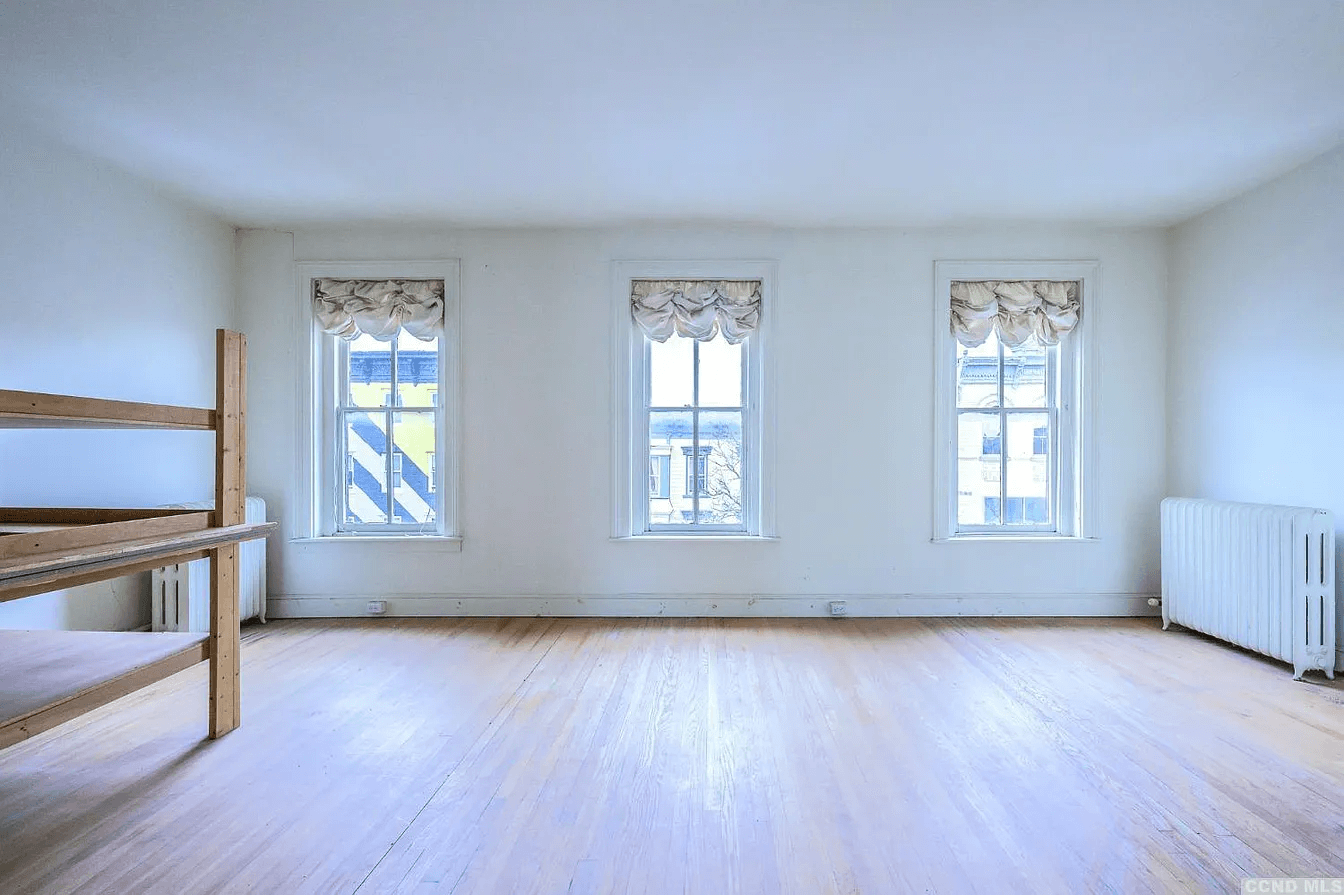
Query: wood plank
<point x="28" y="409"/>
<point x="225" y="697"/>
<point x="703" y="755"/>
<point x="52" y="676"/>
<point x="24" y="576"/>
<point x="45" y="582"/>
<point x="83" y="515"/>
<point x="78" y="537"/>
<point x="230" y="496"/>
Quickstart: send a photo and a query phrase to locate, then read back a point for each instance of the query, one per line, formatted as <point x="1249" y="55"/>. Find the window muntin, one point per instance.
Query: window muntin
<point x="695" y="411"/>
<point x="388" y="425"/>
<point x="1006" y="470"/>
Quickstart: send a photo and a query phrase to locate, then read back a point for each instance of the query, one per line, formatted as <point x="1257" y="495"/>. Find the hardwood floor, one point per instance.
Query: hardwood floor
<point x="700" y="756"/>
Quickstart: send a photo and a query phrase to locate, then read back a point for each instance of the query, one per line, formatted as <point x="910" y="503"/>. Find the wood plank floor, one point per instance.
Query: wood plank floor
<point x="699" y="756"/>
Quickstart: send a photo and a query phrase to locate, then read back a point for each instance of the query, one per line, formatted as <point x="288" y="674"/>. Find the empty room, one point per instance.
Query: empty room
<point x="708" y="447"/>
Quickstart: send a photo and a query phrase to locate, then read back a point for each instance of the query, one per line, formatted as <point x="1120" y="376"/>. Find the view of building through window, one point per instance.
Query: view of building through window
<point x="1006" y="402"/>
<point x="696" y="405"/>
<point x="389" y="422"/>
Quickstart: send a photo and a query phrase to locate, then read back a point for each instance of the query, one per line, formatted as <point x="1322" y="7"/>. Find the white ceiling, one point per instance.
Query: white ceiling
<point x="793" y="112"/>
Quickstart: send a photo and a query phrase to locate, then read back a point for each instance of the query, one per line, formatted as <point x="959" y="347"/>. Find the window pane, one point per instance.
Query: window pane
<point x="670" y="435"/>
<point x="978" y="471"/>
<point x="720" y="374"/>
<point x="670" y="373"/>
<point x="1028" y="458"/>
<point x="365" y="467"/>
<point x="978" y="374"/>
<point x="1024" y="376"/>
<point x="721" y="499"/>
<point x="370" y="370"/>
<point x="413" y="439"/>
<point x="417" y="371"/>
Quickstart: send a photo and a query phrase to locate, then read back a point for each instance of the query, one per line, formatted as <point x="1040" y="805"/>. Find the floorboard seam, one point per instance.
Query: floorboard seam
<point x="490" y="725"/>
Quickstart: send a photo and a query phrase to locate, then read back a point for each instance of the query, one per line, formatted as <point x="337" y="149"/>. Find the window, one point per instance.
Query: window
<point x="660" y="476"/>
<point x="693" y="404"/>
<point x="696" y="411"/>
<point x="1040" y="441"/>
<point x="1011" y="406"/>
<point x="382" y="431"/>
<point x="697" y="471"/>
<point x="1012" y="395"/>
<point x="387" y="433"/>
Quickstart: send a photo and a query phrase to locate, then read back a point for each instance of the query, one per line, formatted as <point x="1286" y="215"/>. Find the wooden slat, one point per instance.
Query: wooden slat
<point x="230" y="495"/>
<point x="225" y="702"/>
<point x="41" y="583"/>
<point x="95" y="670"/>
<point x="83" y="515"/>
<point x="26" y="409"/>
<point x="63" y="540"/>
<point x="19" y="576"/>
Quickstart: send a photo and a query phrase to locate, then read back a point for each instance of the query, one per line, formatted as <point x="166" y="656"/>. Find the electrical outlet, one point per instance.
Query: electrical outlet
<point x="377" y="607"/>
<point x="838" y="608"/>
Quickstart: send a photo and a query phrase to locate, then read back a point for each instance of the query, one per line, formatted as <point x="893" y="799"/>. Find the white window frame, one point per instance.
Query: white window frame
<point x="1073" y="480"/>
<point x="630" y="444"/>
<point x="320" y="463"/>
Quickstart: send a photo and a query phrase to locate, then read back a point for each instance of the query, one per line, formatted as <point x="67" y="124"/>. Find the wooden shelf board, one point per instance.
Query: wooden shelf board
<point x="84" y="515"/>
<point x="22" y="576"/>
<point x="39" y="410"/>
<point x="67" y="540"/>
<point x="52" y="676"/>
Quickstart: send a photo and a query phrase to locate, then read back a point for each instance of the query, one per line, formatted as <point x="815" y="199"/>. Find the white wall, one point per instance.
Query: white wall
<point x="853" y="350"/>
<point x="1256" y="399"/>
<point x="112" y="290"/>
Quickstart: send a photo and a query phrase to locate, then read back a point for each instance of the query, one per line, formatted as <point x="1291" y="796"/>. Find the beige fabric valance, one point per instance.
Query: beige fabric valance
<point x="1016" y="309"/>
<point x="696" y="309"/>
<point x="379" y="308"/>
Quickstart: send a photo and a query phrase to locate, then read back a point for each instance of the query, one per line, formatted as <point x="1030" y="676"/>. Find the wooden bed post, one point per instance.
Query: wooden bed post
<point x="230" y="493"/>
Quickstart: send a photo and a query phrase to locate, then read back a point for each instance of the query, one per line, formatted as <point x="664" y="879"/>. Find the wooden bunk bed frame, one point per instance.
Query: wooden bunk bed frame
<point x="49" y="677"/>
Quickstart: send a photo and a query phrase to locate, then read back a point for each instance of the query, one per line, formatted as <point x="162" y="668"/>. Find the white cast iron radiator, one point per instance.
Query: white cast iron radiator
<point x="1262" y="577"/>
<point x="182" y="592"/>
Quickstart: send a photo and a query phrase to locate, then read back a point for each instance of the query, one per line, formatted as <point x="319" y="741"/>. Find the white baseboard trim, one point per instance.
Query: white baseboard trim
<point x="710" y="605"/>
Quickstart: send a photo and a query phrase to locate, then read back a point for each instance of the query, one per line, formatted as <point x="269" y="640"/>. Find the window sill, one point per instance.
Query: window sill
<point x="707" y="536"/>
<point x="439" y="543"/>
<point x="1015" y="539"/>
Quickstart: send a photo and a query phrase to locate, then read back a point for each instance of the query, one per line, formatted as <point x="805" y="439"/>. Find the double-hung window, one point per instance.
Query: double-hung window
<point x="383" y="425"/>
<point x="387" y="433"/>
<point x="692" y="459"/>
<point x="1013" y="452"/>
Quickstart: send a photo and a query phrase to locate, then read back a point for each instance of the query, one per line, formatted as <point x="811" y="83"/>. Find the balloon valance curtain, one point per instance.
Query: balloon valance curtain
<point x="379" y="308"/>
<point x="696" y="309"/>
<point x="1015" y="309"/>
